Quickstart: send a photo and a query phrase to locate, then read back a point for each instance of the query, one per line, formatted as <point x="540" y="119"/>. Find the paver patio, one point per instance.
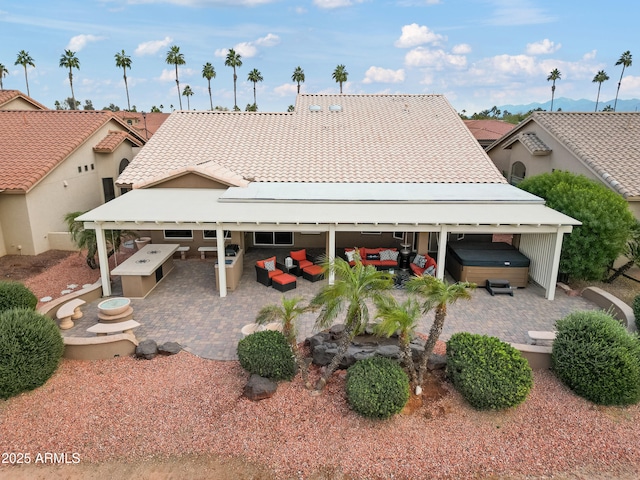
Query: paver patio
<point x="186" y="308"/>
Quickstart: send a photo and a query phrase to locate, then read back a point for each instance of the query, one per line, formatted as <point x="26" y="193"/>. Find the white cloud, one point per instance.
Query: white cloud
<point x="246" y="49"/>
<point x="249" y="49"/>
<point x="287" y="89"/>
<point x="269" y="40"/>
<point x="424" y="57"/>
<point x="383" y="75"/>
<point x="590" y="55"/>
<point x="335" y="3"/>
<point x="204" y="3"/>
<point x="78" y="42"/>
<point x="414" y="34"/>
<point x="300" y="10"/>
<point x="517" y="12"/>
<point x="543" y="47"/>
<point x="152" y="47"/>
<point x="169" y="74"/>
<point x="461" y="49"/>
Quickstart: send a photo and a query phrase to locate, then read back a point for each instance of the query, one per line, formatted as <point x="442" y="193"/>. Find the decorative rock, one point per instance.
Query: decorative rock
<point x="388" y="351"/>
<point x="336" y="331"/>
<point x="169" y="348"/>
<point x="323" y="354"/>
<point x="65" y="291"/>
<point x="147" y="349"/>
<point x="437" y="362"/>
<point x="72" y="286"/>
<point x="417" y="350"/>
<point x="318" y="339"/>
<point x="259" y="388"/>
<point x="46" y="299"/>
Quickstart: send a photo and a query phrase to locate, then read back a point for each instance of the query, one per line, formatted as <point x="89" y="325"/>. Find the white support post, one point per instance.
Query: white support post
<point x="442" y="251"/>
<point x="103" y="260"/>
<point x="331" y="253"/>
<point x="550" y="288"/>
<point x="222" y="270"/>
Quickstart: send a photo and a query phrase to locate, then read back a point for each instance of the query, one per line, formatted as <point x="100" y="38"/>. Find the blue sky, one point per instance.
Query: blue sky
<point x="478" y="53"/>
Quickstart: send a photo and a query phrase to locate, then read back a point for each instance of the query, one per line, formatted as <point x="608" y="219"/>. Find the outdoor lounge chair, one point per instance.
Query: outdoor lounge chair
<point x="419" y="268"/>
<point x="301" y="260"/>
<point x="264" y="273"/>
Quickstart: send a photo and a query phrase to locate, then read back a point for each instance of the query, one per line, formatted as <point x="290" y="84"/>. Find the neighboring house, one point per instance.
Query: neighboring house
<point x="16" y="100"/>
<point x="339" y="171"/>
<point x="146" y="124"/>
<point x="603" y="146"/>
<point x="488" y="131"/>
<point x="53" y="162"/>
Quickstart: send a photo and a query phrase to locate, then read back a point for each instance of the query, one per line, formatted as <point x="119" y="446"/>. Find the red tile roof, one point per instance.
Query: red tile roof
<point x="33" y="142"/>
<point x="488" y="129"/>
<point x="146" y="125"/>
<point x="113" y="139"/>
<point x="7" y="95"/>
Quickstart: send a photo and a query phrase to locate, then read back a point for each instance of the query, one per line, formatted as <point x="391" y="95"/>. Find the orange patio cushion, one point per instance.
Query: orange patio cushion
<point x="284" y="279"/>
<point x="275" y="273"/>
<point x="304" y="263"/>
<point x="260" y="263"/>
<point x="299" y="254"/>
<point x="313" y="269"/>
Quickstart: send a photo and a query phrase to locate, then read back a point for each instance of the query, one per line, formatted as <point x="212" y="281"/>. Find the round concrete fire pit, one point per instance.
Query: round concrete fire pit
<point x="114" y="306"/>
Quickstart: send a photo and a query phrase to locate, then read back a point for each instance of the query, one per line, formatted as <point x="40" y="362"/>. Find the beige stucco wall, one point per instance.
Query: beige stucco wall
<point x="634" y="206"/>
<point x="14" y="218"/>
<point x="19" y="104"/>
<point x="3" y="250"/>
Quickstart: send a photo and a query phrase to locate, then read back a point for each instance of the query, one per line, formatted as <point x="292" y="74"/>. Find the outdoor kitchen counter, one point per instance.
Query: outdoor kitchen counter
<point x="141" y="272"/>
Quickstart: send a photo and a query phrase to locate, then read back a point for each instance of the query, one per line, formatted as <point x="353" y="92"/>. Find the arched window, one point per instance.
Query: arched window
<point x="123" y="164"/>
<point x="518" y="172"/>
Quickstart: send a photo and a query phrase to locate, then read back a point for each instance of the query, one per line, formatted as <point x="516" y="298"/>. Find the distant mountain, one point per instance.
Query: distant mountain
<point x="570" y="105"/>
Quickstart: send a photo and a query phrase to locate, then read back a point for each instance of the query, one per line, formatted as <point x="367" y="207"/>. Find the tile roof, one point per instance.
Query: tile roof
<point x="7" y="95"/>
<point x="533" y="144"/>
<point x="608" y="142"/>
<point x="488" y="129"/>
<point x="33" y="142"/>
<point x="146" y="125"/>
<point x="113" y="139"/>
<point x="372" y="138"/>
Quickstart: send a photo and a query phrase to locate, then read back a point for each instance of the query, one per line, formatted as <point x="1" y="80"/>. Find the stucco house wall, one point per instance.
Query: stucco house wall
<point x="14" y="217"/>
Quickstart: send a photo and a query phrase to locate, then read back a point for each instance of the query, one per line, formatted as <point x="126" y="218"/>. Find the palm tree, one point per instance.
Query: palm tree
<point x="70" y="61"/>
<point x="352" y="288"/>
<point x="233" y="60"/>
<point x="287" y="313"/>
<point x="553" y="75"/>
<point x="3" y="73"/>
<point x="402" y="319"/>
<point x="187" y="92"/>
<point x="625" y="61"/>
<point x="436" y="293"/>
<point x="600" y="77"/>
<point x="209" y="72"/>
<point x="255" y="76"/>
<point x="340" y="75"/>
<point x="123" y="61"/>
<point x="174" y="57"/>
<point x="25" y="59"/>
<point x="298" y="77"/>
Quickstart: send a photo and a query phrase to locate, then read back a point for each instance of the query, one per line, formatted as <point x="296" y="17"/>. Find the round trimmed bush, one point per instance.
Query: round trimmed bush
<point x="16" y="295"/>
<point x="30" y="350"/>
<point x="268" y="354"/>
<point x="595" y="356"/>
<point x="636" y="311"/>
<point x="489" y="373"/>
<point x="377" y="387"/>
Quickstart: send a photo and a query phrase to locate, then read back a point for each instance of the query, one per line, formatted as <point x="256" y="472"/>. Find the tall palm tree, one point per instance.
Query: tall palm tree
<point x="436" y="293"/>
<point x="600" y="77"/>
<point x="70" y="61"/>
<point x="402" y="319"/>
<point x="288" y="313"/>
<point x="553" y="75"/>
<point x="340" y="75"/>
<point x="352" y="288"/>
<point x="625" y="61"/>
<point x="233" y="60"/>
<point x="3" y="73"/>
<point x="209" y="72"/>
<point x="25" y="60"/>
<point x="123" y="61"/>
<point x="298" y="76"/>
<point x="255" y="76"/>
<point x="174" y="57"/>
<point x="187" y="92"/>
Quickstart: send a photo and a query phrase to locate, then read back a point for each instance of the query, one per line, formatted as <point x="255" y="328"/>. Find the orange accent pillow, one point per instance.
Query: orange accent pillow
<point x="299" y="254"/>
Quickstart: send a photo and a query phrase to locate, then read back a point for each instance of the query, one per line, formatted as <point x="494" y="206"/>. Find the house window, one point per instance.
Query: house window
<point x="272" y="238"/>
<point x="518" y="172"/>
<point x="108" y="189"/>
<point x="79" y="169"/>
<point x="398" y="235"/>
<point x="124" y="163"/>
<point x="178" y="235"/>
<point x="211" y="234"/>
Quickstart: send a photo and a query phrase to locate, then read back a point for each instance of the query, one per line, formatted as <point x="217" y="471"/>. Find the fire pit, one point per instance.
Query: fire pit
<point x="114" y="306"/>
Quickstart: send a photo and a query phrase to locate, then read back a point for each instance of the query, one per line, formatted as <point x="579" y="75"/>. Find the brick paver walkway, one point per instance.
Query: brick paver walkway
<point x="186" y="308"/>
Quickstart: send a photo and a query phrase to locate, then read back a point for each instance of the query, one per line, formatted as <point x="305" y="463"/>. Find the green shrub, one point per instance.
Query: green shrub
<point x="267" y="354"/>
<point x="377" y="387"/>
<point x="636" y="311"/>
<point x="30" y="350"/>
<point x="597" y="358"/>
<point x="16" y="295"/>
<point x="489" y="373"/>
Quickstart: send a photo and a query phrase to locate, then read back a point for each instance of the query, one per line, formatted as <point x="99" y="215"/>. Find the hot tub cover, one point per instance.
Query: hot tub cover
<point x="487" y="254"/>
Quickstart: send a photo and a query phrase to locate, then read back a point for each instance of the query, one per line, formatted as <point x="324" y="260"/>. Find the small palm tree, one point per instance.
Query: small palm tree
<point x="174" y="57"/>
<point x="288" y="313"/>
<point x="209" y="72"/>
<point x="352" y="288"/>
<point x="436" y="293"/>
<point x="402" y="319"/>
<point x="600" y="77"/>
<point x="3" y="73"/>
<point x="70" y="61"/>
<point x="255" y="76"/>
<point x="25" y="60"/>
<point x="625" y="61"/>
<point x="123" y="61"/>
<point x="187" y="92"/>
<point x="553" y="76"/>
<point x="340" y="75"/>
<point x="233" y="60"/>
<point x="298" y="76"/>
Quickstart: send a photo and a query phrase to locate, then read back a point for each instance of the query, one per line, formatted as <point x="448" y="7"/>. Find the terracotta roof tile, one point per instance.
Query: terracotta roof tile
<point x="146" y="125"/>
<point x="7" y="95"/>
<point x="488" y="129"/>
<point x="373" y="138"/>
<point x="113" y="139"/>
